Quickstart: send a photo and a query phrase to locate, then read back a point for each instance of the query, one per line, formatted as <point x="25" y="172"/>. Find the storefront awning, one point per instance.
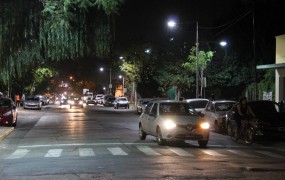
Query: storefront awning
<point x="271" y="66"/>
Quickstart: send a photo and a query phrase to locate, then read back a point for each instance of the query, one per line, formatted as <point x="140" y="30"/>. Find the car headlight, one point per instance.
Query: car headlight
<point x="205" y="125"/>
<point x="169" y="124"/>
<point x="8" y="113"/>
<point x="71" y="102"/>
<point x="80" y="102"/>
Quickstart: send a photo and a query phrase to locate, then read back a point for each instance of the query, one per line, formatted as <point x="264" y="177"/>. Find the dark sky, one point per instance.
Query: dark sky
<point x="146" y="19"/>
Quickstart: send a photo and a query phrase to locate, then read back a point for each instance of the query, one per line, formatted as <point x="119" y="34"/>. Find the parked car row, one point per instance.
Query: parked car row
<point x="8" y="112"/>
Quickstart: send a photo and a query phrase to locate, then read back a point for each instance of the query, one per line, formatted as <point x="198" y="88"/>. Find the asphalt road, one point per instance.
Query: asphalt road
<point x="102" y="143"/>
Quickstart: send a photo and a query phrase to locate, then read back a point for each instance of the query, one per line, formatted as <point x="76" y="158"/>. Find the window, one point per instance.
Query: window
<point x="147" y="108"/>
<point x="154" y="109"/>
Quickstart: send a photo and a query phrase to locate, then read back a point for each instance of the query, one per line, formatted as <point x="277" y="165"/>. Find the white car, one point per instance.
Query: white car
<point x="173" y="121"/>
<point x="121" y="102"/>
<point x="215" y="113"/>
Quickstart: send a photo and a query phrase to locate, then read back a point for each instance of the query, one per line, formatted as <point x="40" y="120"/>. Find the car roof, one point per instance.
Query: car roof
<point x="167" y="101"/>
<point x="196" y="99"/>
<point x="222" y="101"/>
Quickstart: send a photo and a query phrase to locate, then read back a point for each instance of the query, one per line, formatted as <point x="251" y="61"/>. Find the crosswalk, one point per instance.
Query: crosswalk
<point x="144" y="150"/>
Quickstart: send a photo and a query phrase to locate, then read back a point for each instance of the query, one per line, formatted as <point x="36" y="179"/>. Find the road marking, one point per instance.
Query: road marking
<point x="180" y="152"/>
<point x="148" y="151"/>
<point x="213" y="153"/>
<point x="240" y="153"/>
<point x="86" y="152"/>
<point x="54" y="153"/>
<point x="19" y="153"/>
<point x="117" y="151"/>
<point x="270" y="154"/>
<point x="85" y="144"/>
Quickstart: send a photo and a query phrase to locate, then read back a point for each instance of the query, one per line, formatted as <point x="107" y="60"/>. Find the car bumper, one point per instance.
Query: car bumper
<point x="180" y="133"/>
<point x="30" y="106"/>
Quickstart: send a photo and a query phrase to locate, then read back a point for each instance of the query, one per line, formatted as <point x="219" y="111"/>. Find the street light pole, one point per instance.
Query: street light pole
<point x="197" y="54"/>
<point x="110" y="85"/>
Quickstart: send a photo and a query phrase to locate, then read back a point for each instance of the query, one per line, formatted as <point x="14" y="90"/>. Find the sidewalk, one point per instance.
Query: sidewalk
<point x="5" y="131"/>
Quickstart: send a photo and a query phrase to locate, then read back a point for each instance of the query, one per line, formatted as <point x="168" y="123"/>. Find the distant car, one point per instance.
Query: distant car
<point x="198" y="104"/>
<point x="142" y="104"/>
<point x="90" y="100"/>
<point x="8" y="112"/>
<point x="43" y="99"/>
<point x="121" y="102"/>
<point x="109" y="101"/>
<point x="63" y="101"/>
<point x="33" y="103"/>
<point x="173" y="121"/>
<point x="98" y="98"/>
<point x="269" y="121"/>
<point x="215" y="113"/>
<point x="75" y="102"/>
<point x="104" y="99"/>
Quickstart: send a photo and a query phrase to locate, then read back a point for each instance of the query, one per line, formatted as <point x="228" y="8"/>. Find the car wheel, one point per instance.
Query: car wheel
<point x="142" y="134"/>
<point x="202" y="143"/>
<point x="249" y="136"/>
<point x="230" y="129"/>
<point x="159" y="138"/>
<point x="82" y="106"/>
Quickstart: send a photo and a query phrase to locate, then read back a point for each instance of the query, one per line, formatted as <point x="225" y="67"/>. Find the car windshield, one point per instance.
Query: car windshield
<point x="260" y="108"/>
<point x="176" y="108"/>
<point x="111" y="99"/>
<point x="4" y="102"/>
<point x="224" y="106"/>
<point x="33" y="99"/>
<point x="199" y="104"/>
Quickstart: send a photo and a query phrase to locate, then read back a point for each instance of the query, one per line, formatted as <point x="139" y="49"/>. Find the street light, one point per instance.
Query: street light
<point x="172" y="24"/>
<point x="110" y="83"/>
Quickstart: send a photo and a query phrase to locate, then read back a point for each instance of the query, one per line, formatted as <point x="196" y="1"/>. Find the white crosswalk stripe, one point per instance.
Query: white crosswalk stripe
<point x="271" y="154"/>
<point x="240" y="153"/>
<point x="213" y="153"/>
<point x="19" y="153"/>
<point x="148" y="151"/>
<point x="180" y="152"/>
<point x="53" y="153"/>
<point x="117" y="151"/>
<point x="86" y="152"/>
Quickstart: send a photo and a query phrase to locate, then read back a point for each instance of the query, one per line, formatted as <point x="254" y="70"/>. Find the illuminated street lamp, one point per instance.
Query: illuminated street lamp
<point x="110" y="83"/>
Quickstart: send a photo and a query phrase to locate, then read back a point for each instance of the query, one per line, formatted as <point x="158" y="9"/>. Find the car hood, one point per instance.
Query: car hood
<point x="4" y="109"/>
<point x="183" y="120"/>
<point x="220" y="113"/>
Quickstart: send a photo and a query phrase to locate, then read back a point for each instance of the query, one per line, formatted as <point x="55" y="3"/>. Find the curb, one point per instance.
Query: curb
<point x="5" y="132"/>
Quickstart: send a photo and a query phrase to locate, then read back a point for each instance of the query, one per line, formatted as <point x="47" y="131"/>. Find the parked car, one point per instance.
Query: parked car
<point x="75" y="102"/>
<point x="109" y="101"/>
<point x="91" y="100"/>
<point x="215" y="113"/>
<point x="269" y="121"/>
<point x="98" y="98"/>
<point x="142" y="104"/>
<point x="198" y="104"/>
<point x="33" y="103"/>
<point x="121" y="102"/>
<point x="8" y="112"/>
<point x="173" y="121"/>
<point x="105" y="98"/>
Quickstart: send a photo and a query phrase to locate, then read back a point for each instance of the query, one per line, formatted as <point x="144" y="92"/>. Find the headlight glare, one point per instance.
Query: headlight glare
<point x="205" y="125"/>
<point x="169" y="124"/>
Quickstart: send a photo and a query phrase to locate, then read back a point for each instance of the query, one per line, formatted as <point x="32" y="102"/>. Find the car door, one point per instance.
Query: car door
<point x="144" y="118"/>
<point x="152" y="119"/>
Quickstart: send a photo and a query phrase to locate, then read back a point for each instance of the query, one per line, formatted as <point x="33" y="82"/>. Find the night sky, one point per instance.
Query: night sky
<point x="145" y="21"/>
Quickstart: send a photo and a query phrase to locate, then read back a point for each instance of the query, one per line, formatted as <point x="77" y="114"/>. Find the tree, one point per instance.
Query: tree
<point x="203" y="61"/>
